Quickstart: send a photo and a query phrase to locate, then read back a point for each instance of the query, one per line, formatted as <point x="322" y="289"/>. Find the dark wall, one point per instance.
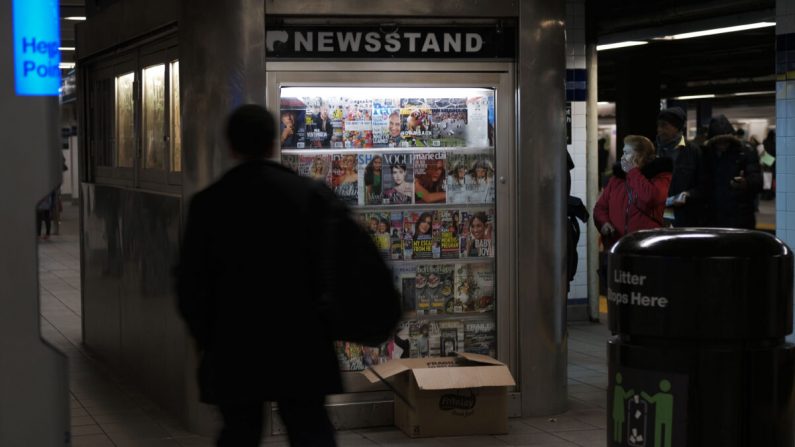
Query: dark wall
<point x="130" y="241"/>
<point x="113" y="22"/>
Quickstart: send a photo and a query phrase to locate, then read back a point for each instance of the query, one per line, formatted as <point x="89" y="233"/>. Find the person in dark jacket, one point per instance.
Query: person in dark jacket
<point x="248" y="292"/>
<point x="634" y="198"/>
<point x="732" y="178"/>
<point x="684" y="196"/>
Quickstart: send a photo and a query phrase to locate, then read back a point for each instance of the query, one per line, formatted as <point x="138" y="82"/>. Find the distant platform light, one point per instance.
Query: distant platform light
<point x="75" y="18"/>
<point x="728" y="29"/>
<point x="66" y="65"/>
<point x="613" y="46"/>
<point x="684" y="98"/>
<point x="66" y="48"/>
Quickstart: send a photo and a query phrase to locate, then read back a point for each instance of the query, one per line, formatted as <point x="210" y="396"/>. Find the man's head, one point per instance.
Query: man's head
<point x="251" y="132"/>
<point x="670" y="122"/>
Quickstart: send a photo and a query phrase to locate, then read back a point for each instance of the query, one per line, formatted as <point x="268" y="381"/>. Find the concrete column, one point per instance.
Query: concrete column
<point x="222" y="65"/>
<point x="541" y="172"/>
<point x="637" y="94"/>
<point x="592" y="180"/>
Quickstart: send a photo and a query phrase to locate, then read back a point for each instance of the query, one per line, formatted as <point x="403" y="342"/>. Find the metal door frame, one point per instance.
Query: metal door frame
<point x="366" y="404"/>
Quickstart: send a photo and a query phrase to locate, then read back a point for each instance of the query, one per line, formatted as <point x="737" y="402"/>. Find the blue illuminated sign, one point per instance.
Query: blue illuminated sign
<point x="37" y="36"/>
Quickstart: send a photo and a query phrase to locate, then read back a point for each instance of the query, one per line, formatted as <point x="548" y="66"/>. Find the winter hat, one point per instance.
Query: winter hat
<point x="719" y="125"/>
<point x="675" y="116"/>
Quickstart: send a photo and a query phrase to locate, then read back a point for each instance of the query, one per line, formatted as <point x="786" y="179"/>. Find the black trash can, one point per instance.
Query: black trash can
<point x="698" y="356"/>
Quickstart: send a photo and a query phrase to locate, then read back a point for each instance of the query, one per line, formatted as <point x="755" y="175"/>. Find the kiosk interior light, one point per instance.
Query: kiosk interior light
<point x="375" y="92"/>
<point x="75" y="18"/>
<point x="728" y="29"/>
<point x="613" y="46"/>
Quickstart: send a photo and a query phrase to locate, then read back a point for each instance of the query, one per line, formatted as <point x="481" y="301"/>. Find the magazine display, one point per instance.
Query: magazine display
<point x="416" y="166"/>
<point x="429" y="177"/>
<point x="398" y="179"/>
<point x="371" y="180"/>
<point x="345" y="178"/>
<point x="317" y="167"/>
<point x="292" y="123"/>
<point x="474" y="289"/>
<point x="477" y="234"/>
<point x="480" y="337"/>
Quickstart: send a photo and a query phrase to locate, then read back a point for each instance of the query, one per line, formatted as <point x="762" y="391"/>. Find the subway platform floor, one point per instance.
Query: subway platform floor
<point x="106" y="412"/>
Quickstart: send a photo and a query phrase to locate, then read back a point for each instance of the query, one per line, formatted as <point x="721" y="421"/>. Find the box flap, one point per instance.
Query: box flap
<point x="397" y="366"/>
<point x="479" y="358"/>
<point x="463" y="377"/>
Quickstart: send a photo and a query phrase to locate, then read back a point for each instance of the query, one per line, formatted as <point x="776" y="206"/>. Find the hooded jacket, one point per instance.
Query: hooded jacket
<point x="635" y="200"/>
<point x="730" y="205"/>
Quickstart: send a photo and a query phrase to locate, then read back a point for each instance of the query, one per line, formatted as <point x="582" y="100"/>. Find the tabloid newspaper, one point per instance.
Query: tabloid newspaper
<point x="449" y="222"/>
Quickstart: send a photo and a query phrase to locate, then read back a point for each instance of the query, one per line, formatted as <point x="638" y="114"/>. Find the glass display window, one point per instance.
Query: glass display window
<point x="417" y="167"/>
<point x="125" y="120"/>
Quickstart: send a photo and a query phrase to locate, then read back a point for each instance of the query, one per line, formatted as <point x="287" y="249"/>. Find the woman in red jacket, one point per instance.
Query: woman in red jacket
<point x="634" y="198"/>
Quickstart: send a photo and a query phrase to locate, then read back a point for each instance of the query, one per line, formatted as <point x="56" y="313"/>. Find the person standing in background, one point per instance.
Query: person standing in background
<point x="44" y="215"/>
<point x="683" y="197"/>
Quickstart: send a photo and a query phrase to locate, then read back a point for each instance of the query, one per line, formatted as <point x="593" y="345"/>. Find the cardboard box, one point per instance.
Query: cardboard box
<point x="448" y="396"/>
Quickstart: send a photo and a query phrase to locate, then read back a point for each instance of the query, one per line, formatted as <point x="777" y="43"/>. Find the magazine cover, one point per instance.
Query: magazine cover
<point x="448" y="122"/>
<point x="451" y="338"/>
<point x="398" y="179"/>
<point x="429" y="177"/>
<point x="317" y="167"/>
<point x="423" y="334"/>
<point x="399" y="345"/>
<point x="396" y="235"/>
<point x="319" y="123"/>
<point x="477" y="130"/>
<point x="350" y="356"/>
<point x="480" y="337"/>
<point x="415" y="121"/>
<point x="449" y="222"/>
<point x="379" y="227"/>
<point x="474" y="289"/>
<point x="409" y="220"/>
<point x="404" y="276"/>
<point x="371" y="181"/>
<point x="292" y="123"/>
<point x="479" y="179"/>
<point x="357" y="126"/>
<point x="470" y="178"/>
<point x="386" y="123"/>
<point x="477" y="234"/>
<point x="345" y="178"/>
<point x="423" y="239"/>
<point x="433" y="288"/>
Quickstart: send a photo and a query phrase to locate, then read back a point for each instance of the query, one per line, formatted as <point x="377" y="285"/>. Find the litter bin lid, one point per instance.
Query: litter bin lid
<point x="699" y="283"/>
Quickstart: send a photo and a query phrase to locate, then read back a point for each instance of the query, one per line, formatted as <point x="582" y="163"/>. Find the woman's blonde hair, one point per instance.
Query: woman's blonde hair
<point x="644" y="148"/>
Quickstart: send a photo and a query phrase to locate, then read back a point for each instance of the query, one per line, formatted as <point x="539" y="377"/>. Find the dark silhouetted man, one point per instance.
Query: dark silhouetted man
<point x="684" y="196"/>
<point x="248" y="287"/>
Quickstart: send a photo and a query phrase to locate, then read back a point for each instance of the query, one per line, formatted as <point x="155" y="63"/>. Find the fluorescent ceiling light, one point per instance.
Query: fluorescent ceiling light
<point x="603" y="103"/>
<point x="694" y="97"/>
<point x="612" y="46"/>
<point x="75" y="18"/>
<point x="66" y="65"/>
<point x="66" y="48"/>
<point x="769" y="92"/>
<point x="729" y="29"/>
<point x="385" y="92"/>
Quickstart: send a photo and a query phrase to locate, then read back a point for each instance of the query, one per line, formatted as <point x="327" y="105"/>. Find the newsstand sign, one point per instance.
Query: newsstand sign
<point x="375" y="42"/>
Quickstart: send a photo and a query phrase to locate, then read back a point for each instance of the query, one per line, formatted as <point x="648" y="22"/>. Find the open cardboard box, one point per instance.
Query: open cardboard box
<point x="447" y="396"/>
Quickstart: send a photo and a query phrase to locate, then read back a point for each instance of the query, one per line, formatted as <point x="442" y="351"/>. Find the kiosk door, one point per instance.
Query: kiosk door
<point x="422" y="153"/>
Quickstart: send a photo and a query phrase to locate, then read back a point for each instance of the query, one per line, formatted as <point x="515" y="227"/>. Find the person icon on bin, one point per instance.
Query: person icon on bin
<point x="663" y="413"/>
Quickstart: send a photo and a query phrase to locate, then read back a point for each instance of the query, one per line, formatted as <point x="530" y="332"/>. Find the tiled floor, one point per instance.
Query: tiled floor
<point x="106" y="412"/>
